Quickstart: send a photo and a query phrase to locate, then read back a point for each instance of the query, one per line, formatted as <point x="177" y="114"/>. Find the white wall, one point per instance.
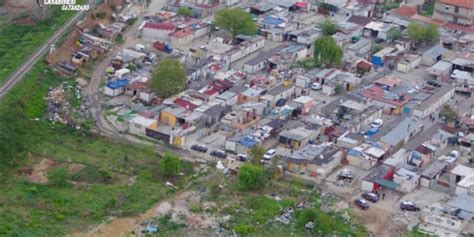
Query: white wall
<point x="113" y="92"/>
<point x="136" y="129"/>
<point x="255" y="68"/>
<point x="153" y="34"/>
<point x="367" y="186"/>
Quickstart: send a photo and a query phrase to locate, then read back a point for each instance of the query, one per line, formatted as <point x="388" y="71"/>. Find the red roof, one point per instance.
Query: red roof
<point x="466" y="55"/>
<point x="461" y="3"/>
<point x="181" y="33"/>
<point x="211" y="91"/>
<point x="404" y="11"/>
<point x="159" y="26"/>
<point x="428" y="20"/>
<point x="148" y="114"/>
<point x="423" y="150"/>
<point x="136" y="85"/>
<point x="465" y="29"/>
<point x="363" y="64"/>
<point x="378" y="93"/>
<point x="184" y="104"/>
<point x="301" y="4"/>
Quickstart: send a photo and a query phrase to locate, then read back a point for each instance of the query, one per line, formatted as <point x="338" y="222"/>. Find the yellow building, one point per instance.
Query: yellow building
<point x="170" y="115"/>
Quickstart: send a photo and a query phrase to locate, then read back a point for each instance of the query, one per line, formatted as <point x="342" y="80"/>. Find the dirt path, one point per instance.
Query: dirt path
<point x="38" y="175"/>
<point x="124" y="225"/>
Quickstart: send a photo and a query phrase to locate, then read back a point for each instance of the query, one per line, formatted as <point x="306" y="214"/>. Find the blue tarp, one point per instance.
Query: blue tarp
<point x="415" y="156"/>
<point x="117" y="83"/>
<point x="272" y="21"/>
<point x="353" y="152"/>
<point x="377" y="61"/>
<point x="248" y="142"/>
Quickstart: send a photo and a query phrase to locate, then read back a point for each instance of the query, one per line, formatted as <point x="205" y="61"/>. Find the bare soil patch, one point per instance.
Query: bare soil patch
<point x="39" y="171"/>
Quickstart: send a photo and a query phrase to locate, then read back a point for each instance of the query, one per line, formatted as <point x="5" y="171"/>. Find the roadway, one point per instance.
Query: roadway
<point x="18" y="75"/>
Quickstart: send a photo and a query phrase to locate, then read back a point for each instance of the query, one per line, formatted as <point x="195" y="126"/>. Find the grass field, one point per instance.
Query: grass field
<point x="44" y="210"/>
<point x="18" y="41"/>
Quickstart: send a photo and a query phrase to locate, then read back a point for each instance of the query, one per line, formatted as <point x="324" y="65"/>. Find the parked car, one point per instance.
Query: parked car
<point x="408" y="206"/>
<point x="199" y="148"/>
<point x="269" y="154"/>
<point x="378" y="123"/>
<point x="316" y="86"/>
<point x="280" y="102"/>
<point x="361" y="203"/>
<point x="242" y="157"/>
<point x="454" y="154"/>
<point x="370" y="196"/>
<point x="219" y="154"/>
<point x="434" y="83"/>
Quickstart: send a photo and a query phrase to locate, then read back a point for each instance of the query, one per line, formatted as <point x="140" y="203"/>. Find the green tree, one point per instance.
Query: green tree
<point x="170" y="165"/>
<point x="338" y="88"/>
<point x="415" y="32"/>
<point x="422" y="33"/>
<point x="394" y="33"/>
<point x="250" y="177"/>
<point x="236" y="21"/>
<point x="168" y="78"/>
<point x="431" y="33"/>
<point x="327" y="52"/>
<point x="448" y="114"/>
<point x="328" y="27"/>
<point x="58" y="177"/>
<point x="273" y="170"/>
<point x="184" y="11"/>
<point x="256" y="154"/>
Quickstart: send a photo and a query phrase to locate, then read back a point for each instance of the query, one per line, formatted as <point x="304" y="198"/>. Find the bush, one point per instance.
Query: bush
<point x="131" y="21"/>
<point x="58" y="177"/>
<point x="243" y="229"/>
<point x="256" y="154"/>
<point x="264" y="208"/>
<point x="170" y="165"/>
<point x="328" y="27"/>
<point x="250" y="177"/>
<point x="119" y="39"/>
<point x="184" y="11"/>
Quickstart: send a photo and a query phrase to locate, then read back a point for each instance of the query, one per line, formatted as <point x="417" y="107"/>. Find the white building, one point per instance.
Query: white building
<point x="139" y="124"/>
<point x="156" y="31"/>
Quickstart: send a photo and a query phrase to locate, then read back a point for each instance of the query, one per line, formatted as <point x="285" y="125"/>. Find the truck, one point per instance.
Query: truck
<point x="162" y="46"/>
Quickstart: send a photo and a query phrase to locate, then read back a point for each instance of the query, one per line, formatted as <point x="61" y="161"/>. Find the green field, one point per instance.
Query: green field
<point x="45" y="210"/>
<point x="18" y="41"/>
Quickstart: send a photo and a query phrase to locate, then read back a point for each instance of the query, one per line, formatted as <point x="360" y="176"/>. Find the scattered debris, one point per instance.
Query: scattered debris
<point x="169" y="184"/>
<point x="60" y="108"/>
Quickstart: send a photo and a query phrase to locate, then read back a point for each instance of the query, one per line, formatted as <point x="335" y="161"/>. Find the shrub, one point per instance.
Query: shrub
<point x="170" y="165"/>
<point x="250" y="177"/>
<point x="58" y="177"/>
<point x="244" y="229"/>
